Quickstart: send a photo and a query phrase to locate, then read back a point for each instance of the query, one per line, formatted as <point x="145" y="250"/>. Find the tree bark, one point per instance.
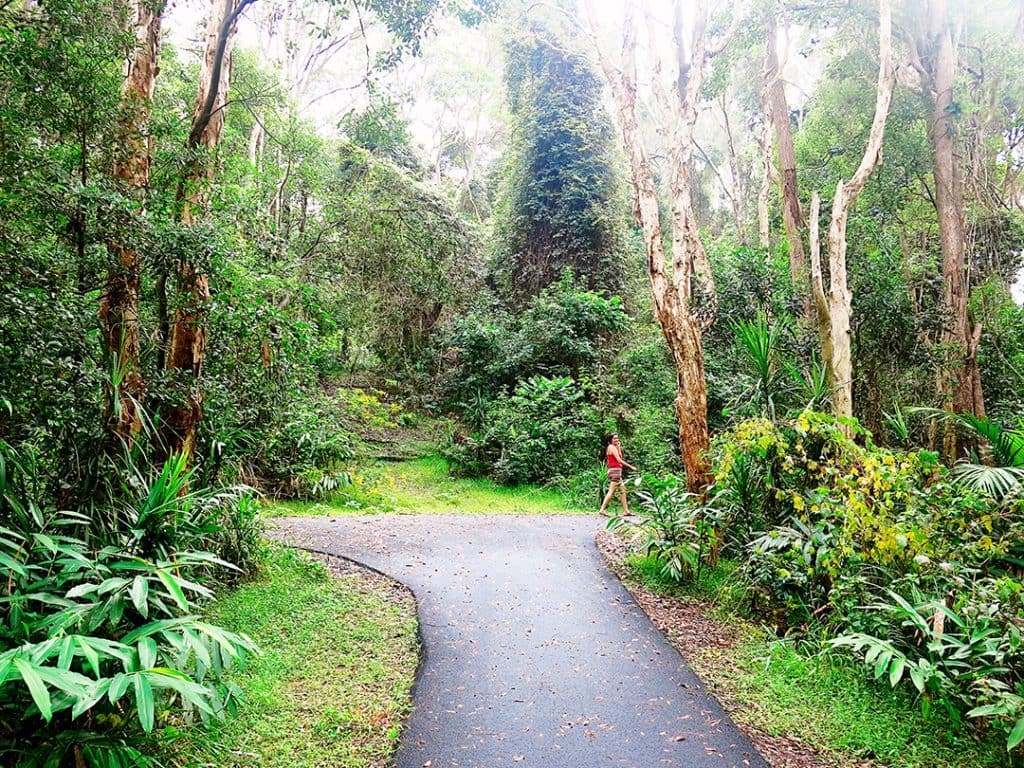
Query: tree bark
<point x="792" y="217"/>
<point x="959" y="381"/>
<point x="119" y="307"/>
<point x="684" y="299"/>
<point x="186" y="343"/>
<point x="835" y="309"/>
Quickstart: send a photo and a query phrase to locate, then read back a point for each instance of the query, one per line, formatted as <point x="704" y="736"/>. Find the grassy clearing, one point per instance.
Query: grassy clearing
<point x="333" y="684"/>
<point x="423" y="486"/>
<point x="823" y="701"/>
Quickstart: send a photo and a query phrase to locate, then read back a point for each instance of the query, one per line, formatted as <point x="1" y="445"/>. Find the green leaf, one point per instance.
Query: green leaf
<point x="40" y="695"/>
<point x="144" y="702"/>
<point x="118" y="686"/>
<point x="147" y="652"/>
<point x="173" y="588"/>
<point x="917" y="678"/>
<point x="1016" y="735"/>
<point x="140" y="595"/>
<point x="896" y="671"/>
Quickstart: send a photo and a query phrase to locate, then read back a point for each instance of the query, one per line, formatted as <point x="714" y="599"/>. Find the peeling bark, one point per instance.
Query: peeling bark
<point x="119" y="307"/>
<point x="684" y="299"/>
<point x="186" y="342"/>
<point x="934" y="53"/>
<point x="778" y="114"/>
<point x="835" y="308"/>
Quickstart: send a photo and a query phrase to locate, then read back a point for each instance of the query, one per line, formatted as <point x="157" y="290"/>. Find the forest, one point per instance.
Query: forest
<point x="252" y="252"/>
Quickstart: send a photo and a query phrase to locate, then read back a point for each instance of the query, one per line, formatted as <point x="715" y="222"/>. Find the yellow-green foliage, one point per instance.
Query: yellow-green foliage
<point x="891" y="508"/>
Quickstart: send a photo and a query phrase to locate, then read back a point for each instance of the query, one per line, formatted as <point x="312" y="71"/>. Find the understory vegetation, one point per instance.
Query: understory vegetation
<point x="252" y="254"/>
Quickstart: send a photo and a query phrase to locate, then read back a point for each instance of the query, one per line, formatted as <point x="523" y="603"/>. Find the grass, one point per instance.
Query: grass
<point x="828" y="703"/>
<point x="333" y="683"/>
<point x="424" y="486"/>
<point x="822" y="700"/>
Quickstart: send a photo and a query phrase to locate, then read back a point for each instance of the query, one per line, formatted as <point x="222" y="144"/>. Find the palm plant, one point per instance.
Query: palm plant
<point x="760" y="341"/>
<point x="1004" y="475"/>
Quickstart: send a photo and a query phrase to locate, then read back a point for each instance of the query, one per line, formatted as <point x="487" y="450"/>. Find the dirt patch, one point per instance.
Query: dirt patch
<point x="694" y="631"/>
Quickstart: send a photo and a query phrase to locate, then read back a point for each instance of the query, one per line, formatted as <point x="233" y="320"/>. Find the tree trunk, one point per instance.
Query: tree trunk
<point x="119" y="307"/>
<point x="792" y="218"/>
<point x="835" y="309"/>
<point x="678" y="307"/>
<point x="739" y="187"/>
<point x="186" y="343"/>
<point x="959" y="378"/>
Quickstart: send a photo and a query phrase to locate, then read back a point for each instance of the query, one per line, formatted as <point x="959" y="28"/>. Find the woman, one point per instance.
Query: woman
<point x="613" y="455"/>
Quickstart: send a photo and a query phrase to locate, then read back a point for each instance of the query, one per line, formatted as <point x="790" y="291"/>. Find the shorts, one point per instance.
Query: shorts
<point x="615" y="474"/>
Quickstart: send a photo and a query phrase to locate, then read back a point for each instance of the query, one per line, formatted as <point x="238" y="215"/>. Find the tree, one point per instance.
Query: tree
<point x="186" y="334"/>
<point x="561" y="196"/>
<point x="834" y="308"/>
<point x="684" y="298"/>
<point x="777" y="114"/>
<point x="933" y="55"/>
<point x="119" y="307"/>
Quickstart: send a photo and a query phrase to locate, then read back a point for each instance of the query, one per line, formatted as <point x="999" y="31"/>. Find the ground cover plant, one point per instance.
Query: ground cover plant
<point x="334" y="681"/>
<point x="779" y="686"/>
<point x="867" y="553"/>
<point x="426" y="486"/>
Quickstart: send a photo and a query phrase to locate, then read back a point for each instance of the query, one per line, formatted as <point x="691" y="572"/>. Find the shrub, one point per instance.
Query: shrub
<point x="99" y="644"/>
<point x="964" y="654"/>
<point x="542" y="432"/>
<point x="673" y="528"/>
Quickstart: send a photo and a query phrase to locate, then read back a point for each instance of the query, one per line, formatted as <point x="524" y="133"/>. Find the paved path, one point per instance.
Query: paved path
<point x="535" y="655"/>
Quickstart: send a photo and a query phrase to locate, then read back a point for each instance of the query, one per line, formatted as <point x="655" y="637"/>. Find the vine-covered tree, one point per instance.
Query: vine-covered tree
<point x="561" y="203"/>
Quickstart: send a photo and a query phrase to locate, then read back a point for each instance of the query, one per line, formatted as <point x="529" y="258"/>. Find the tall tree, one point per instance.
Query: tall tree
<point x="560" y="190"/>
<point x="119" y="307"/>
<point x="186" y="334"/>
<point x="933" y="48"/>
<point x="835" y="307"/>
<point x="778" y="116"/>
<point x="684" y="295"/>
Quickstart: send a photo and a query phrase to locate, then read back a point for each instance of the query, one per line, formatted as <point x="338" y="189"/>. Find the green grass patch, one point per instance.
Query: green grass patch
<point x="333" y="684"/>
<point x="831" y="705"/>
<point x="824" y="701"/>
<point x="424" y="486"/>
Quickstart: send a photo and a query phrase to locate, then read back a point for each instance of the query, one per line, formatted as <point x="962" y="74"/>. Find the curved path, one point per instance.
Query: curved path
<point x="535" y="655"/>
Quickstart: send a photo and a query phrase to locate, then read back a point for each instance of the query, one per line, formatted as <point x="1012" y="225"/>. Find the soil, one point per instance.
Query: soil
<point x="692" y="628"/>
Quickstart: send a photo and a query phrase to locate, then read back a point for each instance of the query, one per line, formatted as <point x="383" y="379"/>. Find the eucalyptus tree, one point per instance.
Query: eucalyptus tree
<point x="835" y="306"/>
<point x="932" y="39"/>
<point x="683" y="287"/>
<point x="119" y="307"/>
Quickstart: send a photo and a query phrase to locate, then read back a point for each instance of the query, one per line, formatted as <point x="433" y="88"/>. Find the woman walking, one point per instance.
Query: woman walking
<point x="613" y="455"/>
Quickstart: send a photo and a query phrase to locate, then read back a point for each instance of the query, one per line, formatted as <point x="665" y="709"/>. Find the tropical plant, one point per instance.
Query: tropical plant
<point x="1006" y="477"/>
<point x="99" y="644"/>
<point x="760" y="343"/>
<point x="673" y="527"/>
<point x="967" y="657"/>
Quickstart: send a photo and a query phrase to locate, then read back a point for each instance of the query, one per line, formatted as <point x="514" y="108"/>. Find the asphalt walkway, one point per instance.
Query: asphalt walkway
<point x="535" y="655"/>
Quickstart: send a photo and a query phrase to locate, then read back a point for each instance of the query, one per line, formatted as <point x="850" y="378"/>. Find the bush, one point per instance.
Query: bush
<point x="100" y="643"/>
<point x="542" y="432"/>
<point x="914" y="572"/>
<point x="673" y="528"/>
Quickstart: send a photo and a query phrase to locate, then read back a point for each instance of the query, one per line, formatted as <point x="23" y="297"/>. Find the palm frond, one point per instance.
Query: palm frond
<point x="997" y="482"/>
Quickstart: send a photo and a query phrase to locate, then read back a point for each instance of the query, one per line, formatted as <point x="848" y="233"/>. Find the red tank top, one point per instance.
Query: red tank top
<point x="613" y="460"/>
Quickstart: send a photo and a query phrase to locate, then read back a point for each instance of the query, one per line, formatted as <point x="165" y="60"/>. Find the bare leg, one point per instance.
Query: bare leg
<point x="622" y="494"/>
<point x="607" y="498"/>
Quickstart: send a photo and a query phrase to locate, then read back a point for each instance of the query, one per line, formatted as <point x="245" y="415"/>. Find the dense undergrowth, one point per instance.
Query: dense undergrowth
<point x="793" y="687"/>
<point x="872" y="555"/>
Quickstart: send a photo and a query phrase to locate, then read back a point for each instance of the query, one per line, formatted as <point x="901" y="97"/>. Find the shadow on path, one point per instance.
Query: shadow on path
<point x="535" y="655"/>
